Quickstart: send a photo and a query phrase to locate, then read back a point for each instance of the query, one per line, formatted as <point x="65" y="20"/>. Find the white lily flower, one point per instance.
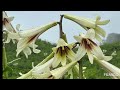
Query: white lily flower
<point x="90" y="47"/>
<point x="28" y="38"/>
<point x="11" y="32"/>
<point x="42" y="71"/>
<point x="59" y="72"/>
<point x="111" y="69"/>
<point x="62" y="51"/>
<point x="87" y="24"/>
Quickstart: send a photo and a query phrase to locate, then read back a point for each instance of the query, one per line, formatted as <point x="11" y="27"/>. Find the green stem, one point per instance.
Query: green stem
<point x="80" y="70"/>
<point x="25" y="76"/>
<point x="4" y="63"/>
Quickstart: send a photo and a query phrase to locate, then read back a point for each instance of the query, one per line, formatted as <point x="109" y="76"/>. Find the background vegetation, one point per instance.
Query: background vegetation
<point x="24" y="65"/>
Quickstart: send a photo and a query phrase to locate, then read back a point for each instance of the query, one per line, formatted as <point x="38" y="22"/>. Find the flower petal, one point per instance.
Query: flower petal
<point x="63" y="60"/>
<point x="90" y="56"/>
<point x="35" y="50"/>
<point x="98" y="37"/>
<point x="27" y="51"/>
<point x="59" y="72"/>
<point x="34" y="31"/>
<point x="61" y="42"/>
<point x="81" y="20"/>
<point x="71" y="55"/>
<point x="104" y="22"/>
<point x="107" y="58"/>
<point x="78" y="38"/>
<point x="90" y="34"/>
<point x="98" y="52"/>
<point x="8" y="40"/>
<point x="80" y="53"/>
<point x="57" y="60"/>
<point x="54" y="49"/>
<point x="100" y="31"/>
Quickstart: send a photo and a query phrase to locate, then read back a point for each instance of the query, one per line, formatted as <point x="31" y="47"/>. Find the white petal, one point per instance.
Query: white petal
<point x="36" y="50"/>
<point x="59" y="72"/>
<point x="100" y="31"/>
<point x="34" y="31"/>
<point x="80" y="53"/>
<point x="54" y="49"/>
<point x="71" y="55"/>
<point x="8" y="40"/>
<point x="63" y="61"/>
<point x="56" y="61"/>
<point x="81" y="20"/>
<point x="104" y="22"/>
<point x="98" y="52"/>
<point x="107" y="58"/>
<point x="27" y="51"/>
<point x="78" y="38"/>
<point x="90" y="34"/>
<point x="90" y="56"/>
<point x="61" y="42"/>
<point x="98" y="37"/>
<point x="10" y="19"/>
<point x="13" y="35"/>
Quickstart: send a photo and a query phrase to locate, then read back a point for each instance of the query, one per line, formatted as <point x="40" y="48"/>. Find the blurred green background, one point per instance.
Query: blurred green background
<point x="23" y="65"/>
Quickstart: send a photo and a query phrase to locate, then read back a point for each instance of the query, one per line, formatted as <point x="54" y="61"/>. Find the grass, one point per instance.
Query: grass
<point x="23" y="65"/>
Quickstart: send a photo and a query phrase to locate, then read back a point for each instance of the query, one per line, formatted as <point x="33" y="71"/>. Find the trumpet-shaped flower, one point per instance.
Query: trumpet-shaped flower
<point x="87" y="24"/>
<point x="11" y="32"/>
<point x="90" y="47"/>
<point x="111" y="69"/>
<point x="62" y="51"/>
<point x="59" y="72"/>
<point x="28" y="38"/>
<point x="44" y="72"/>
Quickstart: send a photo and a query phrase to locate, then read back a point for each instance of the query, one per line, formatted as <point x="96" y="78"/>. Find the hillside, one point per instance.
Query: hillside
<point x="24" y="65"/>
<point x="113" y="37"/>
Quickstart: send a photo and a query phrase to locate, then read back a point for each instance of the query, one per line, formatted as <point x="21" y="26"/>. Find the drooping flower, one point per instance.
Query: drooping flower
<point x="59" y="72"/>
<point x="87" y="45"/>
<point x="62" y="50"/>
<point x="42" y="71"/>
<point x="29" y="37"/>
<point x="87" y="24"/>
<point x="112" y="70"/>
<point x="11" y="32"/>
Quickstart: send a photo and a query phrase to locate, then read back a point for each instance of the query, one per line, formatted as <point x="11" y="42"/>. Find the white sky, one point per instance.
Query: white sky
<point x="30" y="19"/>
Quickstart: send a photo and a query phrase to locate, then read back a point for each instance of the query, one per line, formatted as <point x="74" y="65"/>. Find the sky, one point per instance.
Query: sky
<point x="30" y="19"/>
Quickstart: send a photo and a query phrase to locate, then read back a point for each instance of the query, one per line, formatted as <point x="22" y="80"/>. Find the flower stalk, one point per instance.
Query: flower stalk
<point x="80" y="70"/>
<point x="4" y="63"/>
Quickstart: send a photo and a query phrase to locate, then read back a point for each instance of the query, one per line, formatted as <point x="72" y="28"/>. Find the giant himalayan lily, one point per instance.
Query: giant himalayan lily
<point x="11" y="32"/>
<point x="87" y="23"/>
<point x="28" y="38"/>
<point x="44" y="72"/>
<point x="87" y="45"/>
<point x="111" y="70"/>
<point x="62" y="50"/>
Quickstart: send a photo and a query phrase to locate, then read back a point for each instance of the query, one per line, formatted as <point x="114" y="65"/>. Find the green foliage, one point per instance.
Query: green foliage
<point x="93" y="71"/>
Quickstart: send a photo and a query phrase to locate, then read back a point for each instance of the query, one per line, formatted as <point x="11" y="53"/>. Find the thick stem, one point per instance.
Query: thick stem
<point x="60" y="26"/>
<point x="80" y="70"/>
<point x="4" y="63"/>
<point x="25" y="76"/>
